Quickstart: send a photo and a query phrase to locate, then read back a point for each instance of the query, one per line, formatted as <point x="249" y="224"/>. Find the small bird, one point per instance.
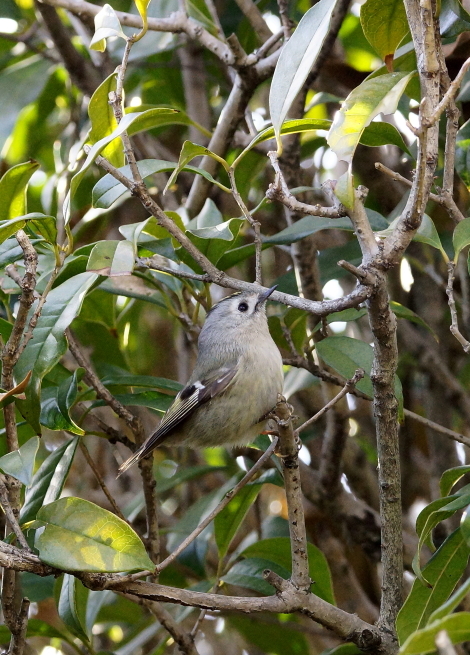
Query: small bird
<point x="235" y="383"/>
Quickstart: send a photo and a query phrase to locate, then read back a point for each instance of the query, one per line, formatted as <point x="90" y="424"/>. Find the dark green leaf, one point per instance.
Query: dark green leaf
<point x="443" y="571"/>
<point x="403" y="312"/>
<point x="72" y="606"/>
<point x="450" y="477"/>
<point x="278" y="638"/>
<point x="453" y="19"/>
<point x="20" y="463"/>
<point x="228" y="521"/>
<point x="384" y="24"/>
<point x="80" y="536"/>
<point x="57" y="402"/>
<point x="382" y="134"/>
<point x="48" y="481"/>
<point x="112" y="258"/>
<point x="188" y="152"/>
<point x="249" y="574"/>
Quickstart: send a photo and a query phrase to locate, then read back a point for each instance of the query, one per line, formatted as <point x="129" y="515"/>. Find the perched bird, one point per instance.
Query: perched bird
<point x="235" y="383"/>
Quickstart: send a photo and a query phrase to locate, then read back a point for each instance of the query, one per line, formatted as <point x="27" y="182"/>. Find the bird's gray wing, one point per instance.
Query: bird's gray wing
<point x="186" y="402"/>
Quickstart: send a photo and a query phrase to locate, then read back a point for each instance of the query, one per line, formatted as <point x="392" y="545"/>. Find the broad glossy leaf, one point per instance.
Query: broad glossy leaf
<point x="456" y="625"/>
<point x="108" y="189"/>
<point x="278" y="550"/>
<point x="401" y="311"/>
<point x="382" y="134"/>
<point x="112" y="258"/>
<point x="11" y="226"/>
<point x="434" y="513"/>
<point x="106" y="25"/>
<point x="249" y="574"/>
<point x="132" y="124"/>
<point x="385" y="24"/>
<point x="345" y="355"/>
<point x="443" y="571"/>
<point x="188" y="152"/>
<point x="297" y="58"/>
<point x="230" y="518"/>
<point x="426" y="233"/>
<point x="461" y="237"/>
<point x="56" y="403"/>
<point x="153" y="399"/>
<point x="142" y="6"/>
<point x="374" y="96"/>
<point x="454" y="601"/>
<point x="20" y="463"/>
<point x="48" y="481"/>
<point x="13" y="187"/>
<point x="288" y="127"/>
<point x="80" y="536"/>
<point x="71" y="606"/>
<point x="103" y="121"/>
<point x="453" y="19"/>
<point x="450" y="477"/>
<point x="8" y="396"/>
<point x="130" y="288"/>
<point x="187" y="473"/>
<point x="214" y="241"/>
<point x="48" y="343"/>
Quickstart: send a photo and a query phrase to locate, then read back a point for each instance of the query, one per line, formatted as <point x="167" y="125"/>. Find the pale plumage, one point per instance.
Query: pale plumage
<point x="235" y="383"/>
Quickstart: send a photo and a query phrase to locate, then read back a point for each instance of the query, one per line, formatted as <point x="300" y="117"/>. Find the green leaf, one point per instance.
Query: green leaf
<point x="461" y="237"/>
<point x="382" y="134"/>
<point x="443" y="571"/>
<point x="55" y="408"/>
<point x="106" y="25"/>
<point x="36" y="628"/>
<point x="345" y="355"/>
<point x="228" y="521"/>
<point x="108" y="189"/>
<point x="384" y="24"/>
<point x="46" y="226"/>
<point x="103" y="121"/>
<point x="288" y="127"/>
<point x="434" y="513"/>
<point x="450" y="477"/>
<point x="187" y="473"/>
<point x="80" y="536"/>
<point x="132" y="124"/>
<point x="48" y="480"/>
<point x="296" y="60"/>
<point x="278" y="550"/>
<point x="142" y="6"/>
<point x="426" y="233"/>
<point x="71" y="606"/>
<point x="13" y="187"/>
<point x="374" y="96"/>
<point x="188" y="152"/>
<point x="401" y="311"/>
<point x="462" y="153"/>
<point x="153" y="399"/>
<point x="453" y="602"/>
<point x="20" y="463"/>
<point x="112" y="258"/>
<point x="249" y="574"/>
<point x="214" y="241"/>
<point x="457" y="627"/>
<point x="11" y="226"/>
<point x="48" y="343"/>
<point x="275" y="638"/>
<point x="453" y="19"/>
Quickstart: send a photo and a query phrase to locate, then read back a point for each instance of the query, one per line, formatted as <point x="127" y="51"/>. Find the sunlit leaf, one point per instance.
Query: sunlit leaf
<point x="461" y="237"/>
<point x="296" y="60"/>
<point x="13" y="187"/>
<point x="106" y="25"/>
<point x="80" y="536"/>
<point x="188" y="152"/>
<point x="423" y="641"/>
<point x="112" y="258"/>
<point x="103" y="121"/>
<point x="385" y="24"/>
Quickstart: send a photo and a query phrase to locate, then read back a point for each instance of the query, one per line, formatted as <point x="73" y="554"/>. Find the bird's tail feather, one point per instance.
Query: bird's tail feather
<point x="146" y="448"/>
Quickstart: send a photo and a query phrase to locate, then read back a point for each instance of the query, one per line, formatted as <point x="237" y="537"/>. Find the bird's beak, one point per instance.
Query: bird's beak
<point x="264" y="296"/>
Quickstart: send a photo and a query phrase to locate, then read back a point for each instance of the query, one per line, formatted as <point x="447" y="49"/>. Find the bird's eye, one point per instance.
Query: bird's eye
<point x="242" y="307"/>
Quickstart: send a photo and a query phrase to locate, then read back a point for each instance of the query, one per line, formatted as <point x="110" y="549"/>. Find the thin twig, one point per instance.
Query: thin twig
<point x="454" y="328"/>
<point x="185" y="641"/>
<point x="456" y="436"/>
<point x="101" y="481"/>
<point x="278" y="190"/>
<point x="448" y="97"/>
<point x="18" y="637"/>
<point x="11" y="518"/>
<point x="254" y="224"/>
<point x="255" y="18"/>
<point x="223" y="503"/>
<point x="289" y="454"/>
<point x="350" y="384"/>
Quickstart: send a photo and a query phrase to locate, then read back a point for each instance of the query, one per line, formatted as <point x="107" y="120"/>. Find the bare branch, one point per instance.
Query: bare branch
<point x="438" y="428"/>
<point x="454" y="328"/>
<point x="448" y="98"/>
<point x="255" y="18"/>
<point x="350" y="384"/>
<point x="185" y="641"/>
<point x="5" y="503"/>
<point x="18" y="637"/>
<point x="289" y="453"/>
